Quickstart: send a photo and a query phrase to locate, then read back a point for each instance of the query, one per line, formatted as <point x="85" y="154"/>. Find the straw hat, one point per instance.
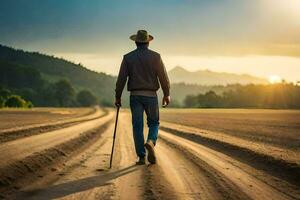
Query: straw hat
<point x="141" y="36"/>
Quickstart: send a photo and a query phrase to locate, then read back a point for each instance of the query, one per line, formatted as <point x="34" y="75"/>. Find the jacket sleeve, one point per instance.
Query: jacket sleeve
<point x="163" y="77"/>
<point x="122" y="78"/>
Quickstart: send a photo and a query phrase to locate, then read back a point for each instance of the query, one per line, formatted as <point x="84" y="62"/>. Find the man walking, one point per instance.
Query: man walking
<point x="143" y="68"/>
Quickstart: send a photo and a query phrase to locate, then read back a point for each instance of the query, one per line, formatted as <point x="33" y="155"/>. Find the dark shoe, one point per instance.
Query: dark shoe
<point x="151" y="153"/>
<point x="141" y="161"/>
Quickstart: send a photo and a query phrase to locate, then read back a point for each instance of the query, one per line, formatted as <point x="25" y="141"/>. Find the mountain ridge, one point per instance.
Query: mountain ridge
<point x="206" y="77"/>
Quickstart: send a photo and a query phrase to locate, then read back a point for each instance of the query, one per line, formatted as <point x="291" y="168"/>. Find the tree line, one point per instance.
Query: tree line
<point x="25" y="87"/>
<point x="53" y="69"/>
<point x="277" y="96"/>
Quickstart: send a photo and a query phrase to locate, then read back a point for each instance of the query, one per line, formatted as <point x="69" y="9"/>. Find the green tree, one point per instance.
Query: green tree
<point x="15" y="101"/>
<point x="209" y="100"/>
<point x="64" y="93"/>
<point x="86" y="98"/>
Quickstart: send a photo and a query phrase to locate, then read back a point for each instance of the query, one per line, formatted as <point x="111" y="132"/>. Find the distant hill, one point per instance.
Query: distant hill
<point x="206" y="77"/>
<point x="53" y="69"/>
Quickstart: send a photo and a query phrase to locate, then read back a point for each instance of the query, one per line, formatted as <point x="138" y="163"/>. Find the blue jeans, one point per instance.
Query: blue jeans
<point x="139" y="104"/>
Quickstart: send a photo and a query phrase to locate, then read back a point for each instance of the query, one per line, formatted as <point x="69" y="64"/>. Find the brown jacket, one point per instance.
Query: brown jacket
<point x="144" y="68"/>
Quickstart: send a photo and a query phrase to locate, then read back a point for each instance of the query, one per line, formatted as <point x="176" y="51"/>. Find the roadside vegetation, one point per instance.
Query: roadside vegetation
<point x="7" y="99"/>
<point x="37" y="77"/>
<point x="276" y="96"/>
<point x="23" y="86"/>
<point x="58" y="94"/>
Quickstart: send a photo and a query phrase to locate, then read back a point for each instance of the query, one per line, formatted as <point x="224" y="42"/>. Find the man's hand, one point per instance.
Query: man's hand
<point x="165" y="101"/>
<point x="118" y="103"/>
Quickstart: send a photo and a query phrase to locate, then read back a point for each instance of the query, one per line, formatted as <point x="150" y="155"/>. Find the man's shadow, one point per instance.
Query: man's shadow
<point x="64" y="189"/>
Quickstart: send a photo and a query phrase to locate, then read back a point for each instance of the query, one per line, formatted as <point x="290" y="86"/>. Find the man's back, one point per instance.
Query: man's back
<point x="144" y="68"/>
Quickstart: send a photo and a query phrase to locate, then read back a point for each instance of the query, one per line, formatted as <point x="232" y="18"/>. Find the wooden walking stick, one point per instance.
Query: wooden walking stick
<point x="113" y="145"/>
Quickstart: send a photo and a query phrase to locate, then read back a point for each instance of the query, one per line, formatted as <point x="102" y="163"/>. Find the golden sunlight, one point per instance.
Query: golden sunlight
<point x="274" y="79"/>
<point x="293" y="6"/>
<point x="289" y="7"/>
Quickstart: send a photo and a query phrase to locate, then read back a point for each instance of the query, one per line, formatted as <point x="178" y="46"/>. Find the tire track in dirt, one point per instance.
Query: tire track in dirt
<point x="231" y="170"/>
<point x="280" y="163"/>
<point x="191" y="180"/>
<point x="87" y="175"/>
<point x="10" y="134"/>
<point x="19" y="149"/>
<point x="36" y="129"/>
<point x="44" y="152"/>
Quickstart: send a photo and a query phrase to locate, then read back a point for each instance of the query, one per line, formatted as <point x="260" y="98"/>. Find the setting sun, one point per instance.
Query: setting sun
<point x="274" y="79"/>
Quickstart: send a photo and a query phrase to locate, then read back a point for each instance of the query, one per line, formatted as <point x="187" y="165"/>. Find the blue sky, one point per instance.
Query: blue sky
<point x="96" y="32"/>
<point x="173" y="21"/>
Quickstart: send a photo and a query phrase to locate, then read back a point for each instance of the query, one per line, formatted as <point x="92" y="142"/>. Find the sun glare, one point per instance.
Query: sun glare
<point x="289" y="7"/>
<point x="275" y="79"/>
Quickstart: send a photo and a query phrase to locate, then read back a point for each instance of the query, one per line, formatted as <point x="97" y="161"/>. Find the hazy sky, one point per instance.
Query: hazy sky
<point x="261" y="37"/>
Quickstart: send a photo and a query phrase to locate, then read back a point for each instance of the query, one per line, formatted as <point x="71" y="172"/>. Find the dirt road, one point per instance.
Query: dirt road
<point x="11" y="118"/>
<point x="185" y="169"/>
